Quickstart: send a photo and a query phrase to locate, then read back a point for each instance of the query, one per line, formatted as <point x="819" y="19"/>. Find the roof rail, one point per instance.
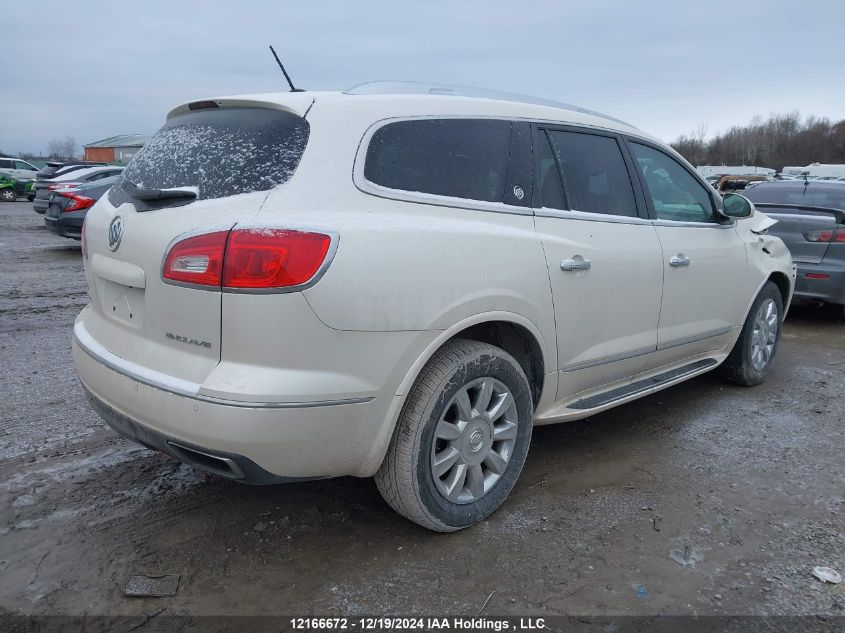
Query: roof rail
<point x="418" y="88"/>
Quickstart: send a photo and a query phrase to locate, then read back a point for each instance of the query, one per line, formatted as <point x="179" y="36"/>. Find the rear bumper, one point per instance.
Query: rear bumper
<point x="66" y="225"/>
<point x="215" y="461"/>
<point x="261" y="444"/>
<point x="40" y="204"/>
<point x="830" y="289"/>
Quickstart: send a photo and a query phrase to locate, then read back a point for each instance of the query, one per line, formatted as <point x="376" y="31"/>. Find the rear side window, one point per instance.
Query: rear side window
<point x="221" y="151"/>
<point x="460" y="158"/>
<point x="595" y="176"/>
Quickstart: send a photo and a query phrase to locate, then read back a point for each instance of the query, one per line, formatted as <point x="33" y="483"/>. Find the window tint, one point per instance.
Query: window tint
<point x="19" y="164"/>
<point x="551" y="189"/>
<point x="221" y="151"/>
<point x="832" y="197"/>
<point x="594" y="173"/>
<point x="461" y="158"/>
<point x="675" y="193"/>
<point x="6" y="164"/>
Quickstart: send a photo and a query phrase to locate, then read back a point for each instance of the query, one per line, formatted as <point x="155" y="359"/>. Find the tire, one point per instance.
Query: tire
<point x="30" y="198"/>
<point x="8" y="195"/>
<point x="750" y="360"/>
<point x="452" y="387"/>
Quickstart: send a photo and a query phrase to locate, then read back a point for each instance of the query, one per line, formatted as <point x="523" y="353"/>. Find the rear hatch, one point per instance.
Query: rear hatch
<point x="808" y="213"/>
<point x="807" y="231"/>
<point x="209" y="168"/>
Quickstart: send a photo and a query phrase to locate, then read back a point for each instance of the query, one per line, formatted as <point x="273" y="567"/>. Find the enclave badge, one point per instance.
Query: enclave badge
<point x="115" y="232"/>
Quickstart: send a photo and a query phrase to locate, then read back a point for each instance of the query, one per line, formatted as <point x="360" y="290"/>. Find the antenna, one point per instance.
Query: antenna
<point x="284" y="72"/>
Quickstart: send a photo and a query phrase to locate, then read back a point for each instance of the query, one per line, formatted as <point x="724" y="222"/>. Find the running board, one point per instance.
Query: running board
<point x="620" y="393"/>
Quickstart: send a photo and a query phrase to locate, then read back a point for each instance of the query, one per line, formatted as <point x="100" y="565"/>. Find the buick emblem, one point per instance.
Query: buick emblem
<point x="115" y="232"/>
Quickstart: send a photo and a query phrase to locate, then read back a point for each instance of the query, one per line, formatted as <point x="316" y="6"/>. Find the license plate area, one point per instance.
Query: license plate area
<point x="123" y="303"/>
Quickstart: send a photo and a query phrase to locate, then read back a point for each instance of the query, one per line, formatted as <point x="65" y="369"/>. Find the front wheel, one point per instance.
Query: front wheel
<point x="462" y="438"/>
<point x="8" y="195"/>
<point x="752" y="356"/>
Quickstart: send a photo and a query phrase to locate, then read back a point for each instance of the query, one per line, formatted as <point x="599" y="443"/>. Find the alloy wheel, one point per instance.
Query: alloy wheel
<point x="474" y="440"/>
<point x="764" y="335"/>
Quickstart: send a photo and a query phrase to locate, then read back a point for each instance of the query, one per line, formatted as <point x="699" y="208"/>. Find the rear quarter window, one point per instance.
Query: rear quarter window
<point x="221" y="151"/>
<point x="459" y="158"/>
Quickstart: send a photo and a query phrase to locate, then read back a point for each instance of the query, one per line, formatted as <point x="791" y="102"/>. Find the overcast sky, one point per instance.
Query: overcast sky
<point x="94" y="69"/>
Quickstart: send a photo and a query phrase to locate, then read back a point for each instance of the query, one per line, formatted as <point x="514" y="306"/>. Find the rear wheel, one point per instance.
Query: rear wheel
<point x="461" y="440"/>
<point x="752" y="356"/>
<point x="8" y="195"/>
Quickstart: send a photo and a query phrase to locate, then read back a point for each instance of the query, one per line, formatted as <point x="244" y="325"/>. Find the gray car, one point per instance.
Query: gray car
<point x="811" y="221"/>
<point x="67" y="208"/>
<point x="68" y="177"/>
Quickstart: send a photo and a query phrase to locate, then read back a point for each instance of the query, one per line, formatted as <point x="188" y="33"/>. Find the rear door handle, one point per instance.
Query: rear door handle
<point x="679" y="260"/>
<point x="576" y="263"/>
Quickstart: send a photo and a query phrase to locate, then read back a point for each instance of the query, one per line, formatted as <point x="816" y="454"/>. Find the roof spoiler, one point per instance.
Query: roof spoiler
<point x="296" y="103"/>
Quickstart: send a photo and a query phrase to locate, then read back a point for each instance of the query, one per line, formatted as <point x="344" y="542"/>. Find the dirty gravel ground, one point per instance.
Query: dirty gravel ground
<point x="703" y="499"/>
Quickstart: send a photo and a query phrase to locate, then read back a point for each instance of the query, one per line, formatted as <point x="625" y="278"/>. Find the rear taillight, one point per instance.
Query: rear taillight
<point x="273" y="258"/>
<point x="77" y="202"/>
<point x="825" y="235"/>
<point x="197" y="259"/>
<point x="249" y="258"/>
<point x="62" y="185"/>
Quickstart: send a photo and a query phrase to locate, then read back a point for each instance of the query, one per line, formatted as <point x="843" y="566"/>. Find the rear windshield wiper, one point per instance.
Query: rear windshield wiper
<point x="143" y="193"/>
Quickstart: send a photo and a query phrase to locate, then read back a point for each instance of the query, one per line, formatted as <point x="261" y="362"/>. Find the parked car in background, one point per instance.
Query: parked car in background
<point x="17" y="168"/>
<point x="738" y="183"/>
<point x="55" y="168"/>
<point x="499" y="262"/>
<point x="811" y="222"/>
<point x="67" y="207"/>
<point x="69" y="177"/>
<point x="12" y="188"/>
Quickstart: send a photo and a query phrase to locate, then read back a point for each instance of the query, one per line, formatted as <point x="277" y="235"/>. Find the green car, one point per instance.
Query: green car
<point x="11" y="188"/>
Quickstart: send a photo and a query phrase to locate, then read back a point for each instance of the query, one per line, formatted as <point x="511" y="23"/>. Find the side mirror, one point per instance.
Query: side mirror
<point x="737" y="206"/>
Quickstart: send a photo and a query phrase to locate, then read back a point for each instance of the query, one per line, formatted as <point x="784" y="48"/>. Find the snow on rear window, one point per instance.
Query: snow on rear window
<point x="222" y="152"/>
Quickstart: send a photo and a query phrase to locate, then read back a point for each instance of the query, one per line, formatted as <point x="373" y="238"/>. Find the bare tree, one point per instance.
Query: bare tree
<point x="780" y="140"/>
<point x="62" y="149"/>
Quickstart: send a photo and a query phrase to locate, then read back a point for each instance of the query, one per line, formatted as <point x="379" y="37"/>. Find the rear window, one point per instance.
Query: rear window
<point x="460" y="158"/>
<point x="832" y="197"/>
<point x="221" y="151"/>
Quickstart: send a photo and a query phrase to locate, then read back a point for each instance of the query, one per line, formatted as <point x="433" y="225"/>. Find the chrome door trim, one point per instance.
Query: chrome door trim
<point x="695" y="225"/>
<point x="604" y="360"/>
<point x="590" y="216"/>
<point x="694" y="339"/>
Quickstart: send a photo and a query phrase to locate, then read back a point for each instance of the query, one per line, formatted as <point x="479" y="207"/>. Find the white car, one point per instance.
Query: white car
<point x="17" y="168"/>
<point x="315" y="284"/>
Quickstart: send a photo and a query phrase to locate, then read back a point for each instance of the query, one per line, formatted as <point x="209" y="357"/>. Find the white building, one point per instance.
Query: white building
<point x="817" y="170"/>
<point x="733" y="170"/>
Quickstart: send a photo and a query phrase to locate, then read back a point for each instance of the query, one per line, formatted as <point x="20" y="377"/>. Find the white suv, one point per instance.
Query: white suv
<point x="305" y="285"/>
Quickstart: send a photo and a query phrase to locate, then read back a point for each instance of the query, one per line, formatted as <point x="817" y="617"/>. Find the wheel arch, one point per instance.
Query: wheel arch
<point x="781" y="280"/>
<point x="513" y="333"/>
<point x="510" y="331"/>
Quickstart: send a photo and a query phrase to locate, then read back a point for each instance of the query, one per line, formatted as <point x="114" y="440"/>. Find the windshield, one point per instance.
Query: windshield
<point x="219" y="152"/>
